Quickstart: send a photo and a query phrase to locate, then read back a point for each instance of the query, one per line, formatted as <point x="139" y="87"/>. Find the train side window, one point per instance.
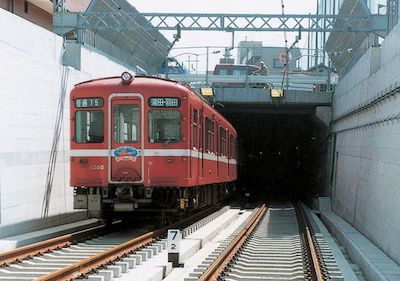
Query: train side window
<point x="209" y="135"/>
<point x="164" y="126"/>
<point x="208" y="132"/>
<point x="195" y="128"/>
<point x="126" y="123"/>
<point x="222" y="141"/>
<point x="232" y="146"/>
<point x="89" y="126"/>
<point x="212" y="137"/>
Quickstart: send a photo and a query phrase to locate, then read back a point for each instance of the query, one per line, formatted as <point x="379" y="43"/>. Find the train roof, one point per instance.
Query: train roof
<point x="115" y="80"/>
<point x="137" y="81"/>
<point x="133" y="81"/>
<point x="142" y="81"/>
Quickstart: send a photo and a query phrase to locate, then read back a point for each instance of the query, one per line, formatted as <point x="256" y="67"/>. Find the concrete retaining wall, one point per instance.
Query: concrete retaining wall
<point x="31" y="83"/>
<point x="366" y="190"/>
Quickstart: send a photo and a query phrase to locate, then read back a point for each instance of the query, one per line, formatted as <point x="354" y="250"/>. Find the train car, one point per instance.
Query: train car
<point x="146" y="144"/>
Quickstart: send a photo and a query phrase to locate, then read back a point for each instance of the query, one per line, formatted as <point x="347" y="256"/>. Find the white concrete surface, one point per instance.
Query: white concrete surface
<point x="194" y="249"/>
<point x="31" y="76"/>
<point x="194" y="261"/>
<point x="319" y="229"/>
<point x="195" y="241"/>
<point x="375" y="264"/>
<point x="13" y="242"/>
<point x="365" y="183"/>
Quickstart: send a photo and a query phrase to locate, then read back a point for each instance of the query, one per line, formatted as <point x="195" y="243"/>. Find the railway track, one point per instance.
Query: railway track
<point x="276" y="245"/>
<point x="63" y="258"/>
<point x="273" y="243"/>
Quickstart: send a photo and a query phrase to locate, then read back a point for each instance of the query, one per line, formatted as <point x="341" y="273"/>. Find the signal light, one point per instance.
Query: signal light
<point x="127" y="78"/>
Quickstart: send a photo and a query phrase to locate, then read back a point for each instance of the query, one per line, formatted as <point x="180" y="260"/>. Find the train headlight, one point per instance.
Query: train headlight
<point x="127" y="78"/>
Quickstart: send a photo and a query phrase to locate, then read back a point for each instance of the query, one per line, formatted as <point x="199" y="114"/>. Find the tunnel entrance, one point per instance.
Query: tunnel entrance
<point x="278" y="155"/>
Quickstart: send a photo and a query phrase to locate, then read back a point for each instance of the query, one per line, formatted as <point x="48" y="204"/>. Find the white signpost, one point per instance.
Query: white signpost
<point x="174" y="238"/>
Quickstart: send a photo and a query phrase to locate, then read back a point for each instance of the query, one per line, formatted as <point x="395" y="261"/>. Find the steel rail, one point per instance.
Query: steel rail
<point x="86" y="266"/>
<point x="312" y="251"/>
<point x="221" y="264"/>
<point x="216" y="269"/>
<point x="26" y="252"/>
<point x="317" y="268"/>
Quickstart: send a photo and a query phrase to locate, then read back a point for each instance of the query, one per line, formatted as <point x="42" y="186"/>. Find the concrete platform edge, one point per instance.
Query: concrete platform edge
<point x="374" y="263"/>
<point x="13" y="242"/>
<point x="345" y="268"/>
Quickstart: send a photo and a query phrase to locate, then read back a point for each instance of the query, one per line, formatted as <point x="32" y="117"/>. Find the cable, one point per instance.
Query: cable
<point x="119" y="11"/>
<point x="285" y="72"/>
<point x="56" y="139"/>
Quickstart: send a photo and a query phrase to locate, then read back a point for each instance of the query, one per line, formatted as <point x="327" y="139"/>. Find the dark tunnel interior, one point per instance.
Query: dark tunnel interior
<point x="278" y="155"/>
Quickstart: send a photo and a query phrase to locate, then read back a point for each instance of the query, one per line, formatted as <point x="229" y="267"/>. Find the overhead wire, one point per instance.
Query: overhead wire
<point x="145" y="39"/>
<point x="56" y="139"/>
<point x="118" y="10"/>
<point x="285" y="66"/>
<point x="166" y="49"/>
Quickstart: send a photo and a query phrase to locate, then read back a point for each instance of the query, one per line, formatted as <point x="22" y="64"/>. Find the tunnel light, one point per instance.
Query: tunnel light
<point x="277" y="93"/>
<point x="207" y="91"/>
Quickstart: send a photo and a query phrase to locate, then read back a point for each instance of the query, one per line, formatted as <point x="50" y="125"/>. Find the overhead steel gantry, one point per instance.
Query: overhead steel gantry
<point x="65" y="22"/>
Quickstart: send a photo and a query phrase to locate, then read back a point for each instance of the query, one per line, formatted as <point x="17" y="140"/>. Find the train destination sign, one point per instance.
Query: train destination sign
<point x="89" y="102"/>
<point x="164" y="102"/>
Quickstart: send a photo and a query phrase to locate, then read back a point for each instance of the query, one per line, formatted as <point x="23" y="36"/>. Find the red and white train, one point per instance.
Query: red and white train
<point x="148" y="144"/>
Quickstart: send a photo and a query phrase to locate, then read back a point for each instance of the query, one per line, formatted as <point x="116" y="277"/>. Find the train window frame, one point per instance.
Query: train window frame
<point x="126" y="132"/>
<point x="164" y="130"/>
<point x="195" y="128"/>
<point x="210" y="135"/>
<point x="223" y="141"/>
<point x="89" y="128"/>
<point x="232" y="146"/>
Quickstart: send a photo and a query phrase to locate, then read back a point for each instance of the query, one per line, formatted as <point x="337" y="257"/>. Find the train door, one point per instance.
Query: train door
<point x="126" y="138"/>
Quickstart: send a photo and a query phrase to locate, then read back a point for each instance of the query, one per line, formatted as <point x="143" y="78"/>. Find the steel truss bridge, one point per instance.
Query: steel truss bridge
<point x="65" y="22"/>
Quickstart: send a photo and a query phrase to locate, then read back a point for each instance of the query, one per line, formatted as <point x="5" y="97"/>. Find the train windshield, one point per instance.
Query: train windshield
<point x="89" y="126"/>
<point x="126" y="123"/>
<point x="164" y="126"/>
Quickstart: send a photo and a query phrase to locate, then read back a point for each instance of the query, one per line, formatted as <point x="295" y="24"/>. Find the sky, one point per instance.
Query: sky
<point x="191" y="39"/>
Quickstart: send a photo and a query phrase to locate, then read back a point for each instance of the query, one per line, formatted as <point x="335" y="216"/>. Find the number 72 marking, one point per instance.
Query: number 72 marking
<point x="174" y="237"/>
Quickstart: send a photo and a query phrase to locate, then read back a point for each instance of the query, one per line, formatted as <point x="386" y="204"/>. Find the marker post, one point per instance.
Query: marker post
<point x="174" y="238"/>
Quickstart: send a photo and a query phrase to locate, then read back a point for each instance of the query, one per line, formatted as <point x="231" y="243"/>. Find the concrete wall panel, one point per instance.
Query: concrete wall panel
<point x="366" y="189"/>
<point x="31" y="77"/>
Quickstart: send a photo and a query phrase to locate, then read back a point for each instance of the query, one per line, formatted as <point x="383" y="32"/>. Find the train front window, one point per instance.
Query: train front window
<point x="89" y="126"/>
<point x="126" y="123"/>
<point x="164" y="126"/>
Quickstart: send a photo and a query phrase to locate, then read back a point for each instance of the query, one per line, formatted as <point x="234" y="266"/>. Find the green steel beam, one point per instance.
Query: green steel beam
<point x="64" y="22"/>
